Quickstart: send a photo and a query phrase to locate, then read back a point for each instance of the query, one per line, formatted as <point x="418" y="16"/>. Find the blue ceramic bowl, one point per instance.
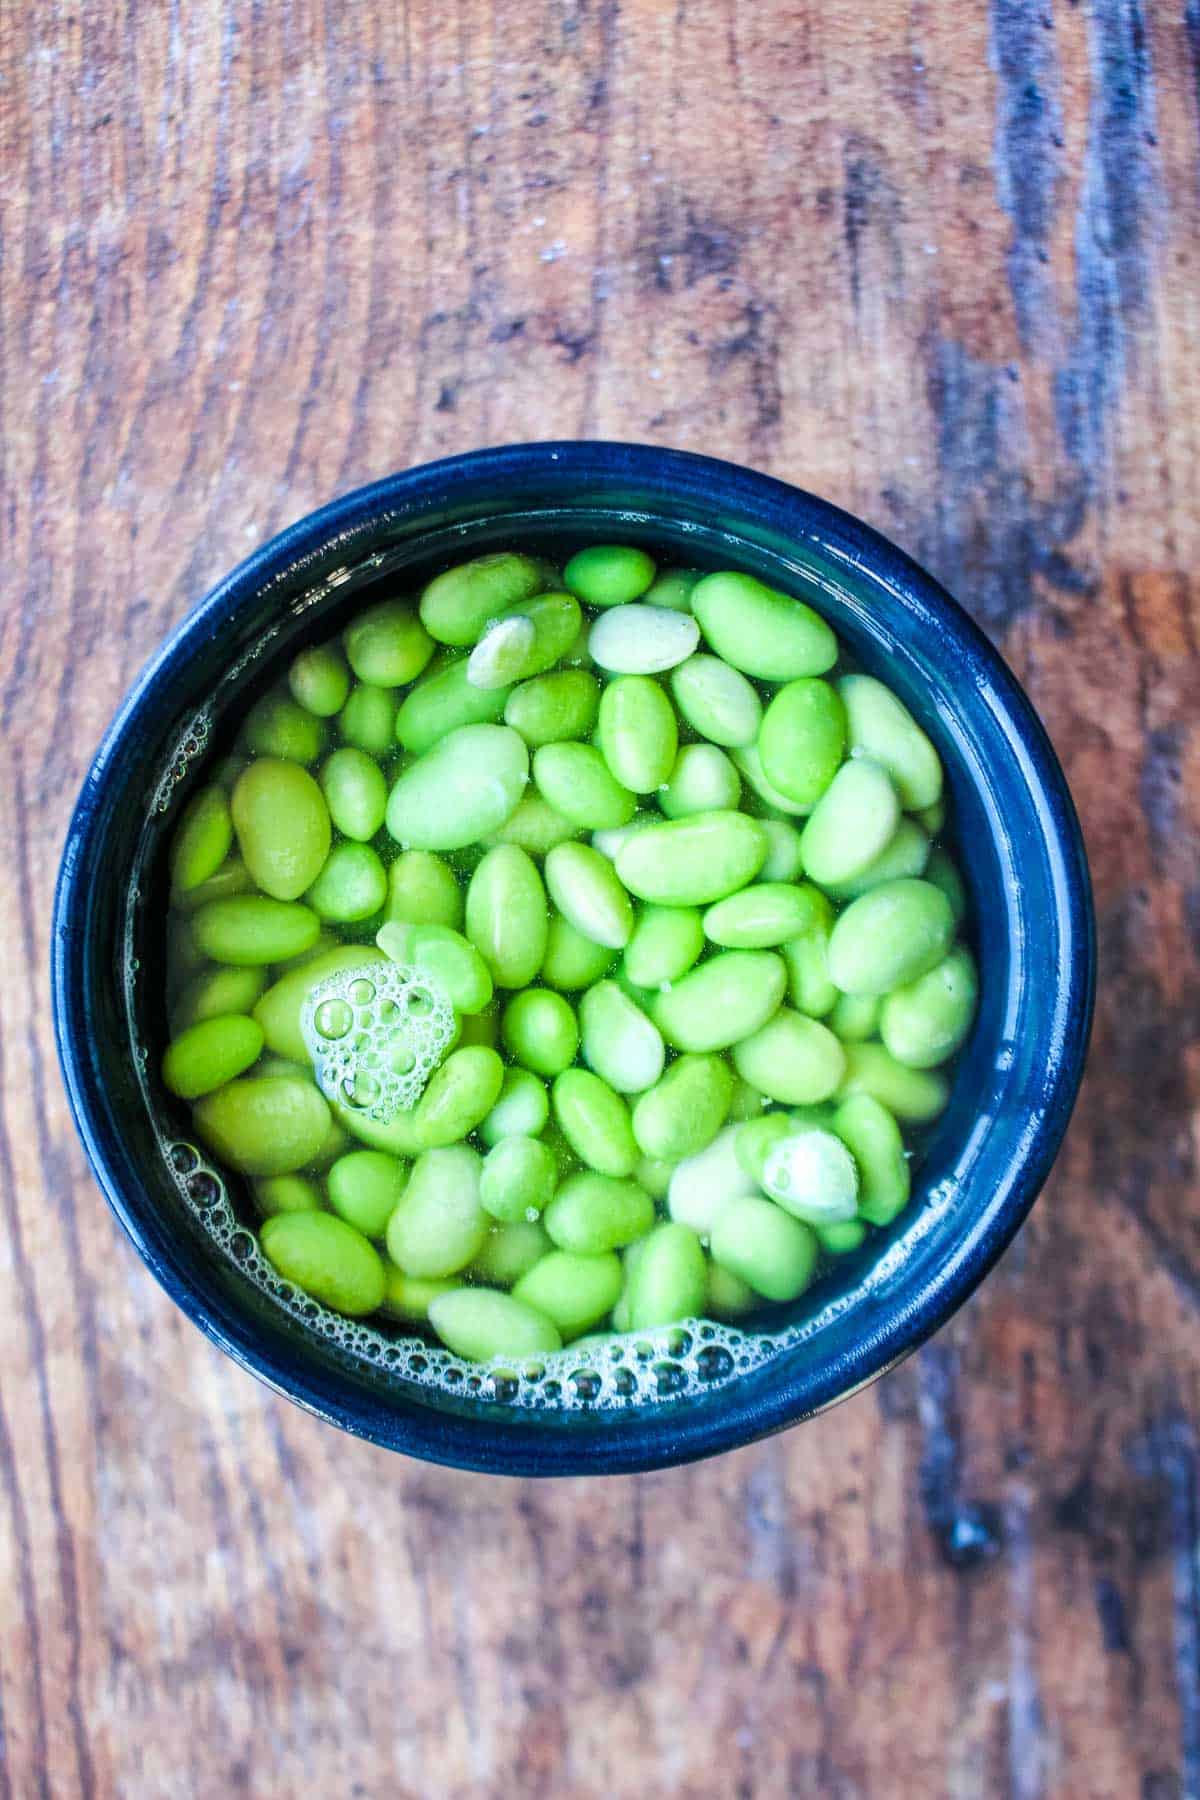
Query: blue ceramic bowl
<point x="1017" y="838"/>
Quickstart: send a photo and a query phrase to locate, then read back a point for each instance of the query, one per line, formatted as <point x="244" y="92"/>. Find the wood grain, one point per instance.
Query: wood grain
<point x="937" y="263"/>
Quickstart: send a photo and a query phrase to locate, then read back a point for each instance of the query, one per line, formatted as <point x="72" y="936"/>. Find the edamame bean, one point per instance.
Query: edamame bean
<point x="326" y="1258"/>
<point x="765" y="1247"/>
<point x="595" y="1122"/>
<point x="521" y="1111"/>
<point x="456" y="605"/>
<point x="355" y="793"/>
<point x="519" y="1178"/>
<point x="702" y="1186"/>
<point x="924" y="1023"/>
<point x="762" y="915"/>
<point x="760" y="631"/>
<point x="451" y="961"/>
<point x="718" y="703"/>
<point x="439" y="1225"/>
<point x="277" y="727"/>
<point x="683" y="1112"/>
<point x="387" y="645"/>
<point x="368" y="719"/>
<point x="914" y="1095"/>
<point x="855" y="1017"/>
<point x="653" y="1174"/>
<point x="722" y="1001"/>
<point x="803" y="739"/>
<point x="218" y="991"/>
<point x="501" y="655"/>
<point x="757" y="1138"/>
<point x="689" y="862"/>
<point x="813" y="1176"/>
<point x="842" y="1237"/>
<point x="932" y="818"/>
<point x="365" y="1187"/>
<point x="941" y="873"/>
<point x="286" y="1194"/>
<point x="459" y="1096"/>
<point x="575" y="1291"/>
<point x="871" y="1134"/>
<point x="792" y="1058"/>
<point x="398" y="1136"/>
<point x="534" y="826"/>
<point x="480" y="1325"/>
<point x="551" y="708"/>
<point x="620" y="1043"/>
<point x="749" y="764"/>
<point x="728" y="1296"/>
<point x="609" y="574"/>
<point x="784" y="861"/>
<point x="336" y="1142"/>
<point x="530" y="638"/>
<point x="352" y="885"/>
<point x="320" y="680"/>
<point x="669" y="1279"/>
<point x="850" y="824"/>
<point x="506" y="915"/>
<point x="510" y="1251"/>
<point x="207" y="1055"/>
<point x="282" y="825"/>
<point x="422" y="891"/>
<point x="441" y="702"/>
<point x="747" y="1102"/>
<point x="637" y="734"/>
<point x="880" y="726"/>
<point x="702" y="780"/>
<point x="905" y="853"/>
<point x="573" y="961"/>
<point x="264" y="1125"/>
<point x="251" y="930"/>
<point x="202" y="839"/>
<point x="233" y="877"/>
<point x="666" y="941"/>
<point x="467" y="785"/>
<point x="585" y="889"/>
<point x="409" y="1297"/>
<point x="889" y="937"/>
<point x="592" y="1213"/>
<point x="673" y="588"/>
<point x="609" y="841"/>
<point x="642" y="640"/>
<point x="279" y="1009"/>
<point x="538" y="1028"/>
<point x="807" y="957"/>
<point x="577" y="782"/>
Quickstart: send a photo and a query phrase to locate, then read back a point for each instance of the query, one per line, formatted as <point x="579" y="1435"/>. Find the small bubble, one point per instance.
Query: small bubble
<point x="679" y="1343"/>
<point x="401" y="1059"/>
<point x="669" y="1378"/>
<point x="241" y="1246"/>
<point x="643" y="1352"/>
<point x="714" y="1363"/>
<point x="204" y="1189"/>
<point x="333" y="1018"/>
<point x="552" y="1390"/>
<point x="506" y="1387"/>
<point x="587" y="1384"/>
<point x="420" y="1002"/>
<point x="418" y="1363"/>
<point x="360" y="1090"/>
<point x="183" y="1158"/>
<point x="625" y="1383"/>
<point x="452" y="1375"/>
<point x="361" y="992"/>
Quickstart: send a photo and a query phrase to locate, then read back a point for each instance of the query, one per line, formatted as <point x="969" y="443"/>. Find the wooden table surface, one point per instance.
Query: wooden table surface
<point x="940" y="263"/>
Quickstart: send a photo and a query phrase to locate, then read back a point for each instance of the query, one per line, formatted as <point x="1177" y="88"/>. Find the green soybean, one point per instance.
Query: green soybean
<point x="755" y="1139"/>
<point x="673" y="588"/>
<point x="692" y="861"/>
<point x="458" y="1097"/>
<point x="368" y="719"/>
<point x="355" y="793"/>
<point x="535" y="826"/>
<point x="278" y="1010"/>
<point x="642" y="640"/>
<point x="637" y="734"/>
<point x="941" y="873"/>
<point x="914" y="1095"/>
<point x="207" y="1055"/>
<point x="409" y="1297"/>
<point x="422" y="890"/>
<point x="620" y="1043"/>
<point x="233" y="877"/>
<point x="575" y="1291"/>
<point x="760" y="631"/>
<point x="277" y="727"/>
<point x="666" y="941"/>
<point x="506" y="915"/>
<point x="871" y="1134"/>
<point x="721" y="1001"/>
<point x="728" y="1296"/>
<point x="202" y="839"/>
<point x="519" y="1177"/>
<point x="578" y="783"/>
<point x="282" y="825"/>
<point x="609" y="574"/>
<point x="451" y="961"/>
<point x="841" y="1237"/>
<point x="439" y="1225"/>
<point x="480" y="1325"/>
<point x="810" y="988"/>
<point x="510" y="1249"/>
<point x="352" y="885"/>
<point x="521" y="1110"/>
<point x="792" y="1058"/>
<point x="803" y="739"/>
<point x="585" y="889"/>
<point x="538" y="1029"/>
<point x="286" y="1194"/>
<point x="905" y="853"/>
<point x="784" y="861"/>
<point x="365" y="1187"/>
<point x="850" y="824"/>
<point x="264" y="1125"/>
<point x="926" y="1022"/>
<point x="701" y="1186"/>
<point x="325" y="1257"/>
<point x="526" y="639"/>
<point x="320" y="680"/>
<point x="762" y="915"/>
<point x="813" y="1176"/>
<point x="461" y="789"/>
<point x="855" y="1017"/>
<point x="889" y="937"/>
<point x="551" y="708"/>
<point x="387" y="645"/>
<point x="748" y="762"/>
<point x="702" y="780"/>
<point x="880" y="726"/>
<point x="718" y="703"/>
<point x="251" y="930"/>
<point x="766" y="1248"/>
<point x="441" y="702"/>
<point x="594" y="1212"/>
<point x="215" y="991"/>
<point x="573" y="961"/>
<point x="683" y="1112"/>
<point x="595" y="1122"/>
<point x="653" y="1174"/>
<point x="456" y="605"/>
<point x="669" y="1280"/>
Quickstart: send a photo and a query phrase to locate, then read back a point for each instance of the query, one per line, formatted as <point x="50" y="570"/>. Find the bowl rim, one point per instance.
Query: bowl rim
<point x="655" y="1436"/>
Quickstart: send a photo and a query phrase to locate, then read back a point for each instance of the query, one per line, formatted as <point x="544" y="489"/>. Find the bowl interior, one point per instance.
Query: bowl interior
<point x="1012" y="830"/>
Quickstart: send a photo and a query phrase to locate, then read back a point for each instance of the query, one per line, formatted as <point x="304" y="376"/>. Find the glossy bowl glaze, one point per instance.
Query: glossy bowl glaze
<point x="1014" y="830"/>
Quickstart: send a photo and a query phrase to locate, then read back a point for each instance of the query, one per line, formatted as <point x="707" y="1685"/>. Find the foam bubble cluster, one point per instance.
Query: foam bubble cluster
<point x="375" y="1035"/>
